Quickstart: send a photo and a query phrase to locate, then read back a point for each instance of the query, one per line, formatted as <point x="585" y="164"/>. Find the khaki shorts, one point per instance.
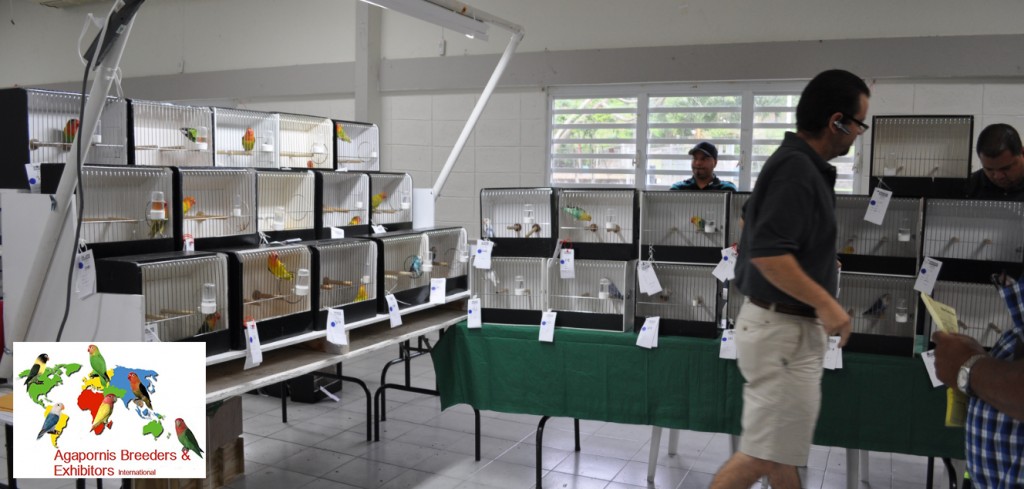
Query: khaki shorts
<point x="781" y="358"/>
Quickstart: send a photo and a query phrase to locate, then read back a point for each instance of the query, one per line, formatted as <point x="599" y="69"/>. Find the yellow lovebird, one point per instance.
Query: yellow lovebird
<point x="249" y="139"/>
<point x="355" y="220"/>
<point x="697" y="221"/>
<point x="376" y="200"/>
<point x="361" y="294"/>
<point x="276" y="267"/>
<point x="340" y="130"/>
<point x="187" y="203"/>
<point x="103" y="413"/>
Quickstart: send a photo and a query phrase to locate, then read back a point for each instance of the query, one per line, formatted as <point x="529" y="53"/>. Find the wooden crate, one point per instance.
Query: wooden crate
<point x="222" y="466"/>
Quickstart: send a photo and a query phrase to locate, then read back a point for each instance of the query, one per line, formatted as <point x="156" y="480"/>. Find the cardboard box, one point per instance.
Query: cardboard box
<point x="223" y="464"/>
<point x="223" y="422"/>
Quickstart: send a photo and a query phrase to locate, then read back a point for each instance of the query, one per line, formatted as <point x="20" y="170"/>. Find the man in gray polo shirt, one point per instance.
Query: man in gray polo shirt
<point x="787" y="271"/>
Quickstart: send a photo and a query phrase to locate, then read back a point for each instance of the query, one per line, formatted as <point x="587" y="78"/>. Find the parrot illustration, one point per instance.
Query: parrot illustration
<point x="340" y="130"/>
<point x="209" y="323"/>
<point x="70" y="130"/>
<point x="38" y="368"/>
<point x="187" y="439"/>
<point x="103" y="413"/>
<point x="376" y="200"/>
<point x="613" y="291"/>
<point x="99" y="365"/>
<point x="877" y="310"/>
<point x="187" y="204"/>
<point x="577" y="213"/>
<point x="355" y="220"/>
<point x="276" y="267"/>
<point x="51" y="420"/>
<point x="361" y="294"/>
<point x="698" y="222"/>
<point x="249" y="139"/>
<point x="141" y="392"/>
<point x="191" y="133"/>
<point x="157" y="228"/>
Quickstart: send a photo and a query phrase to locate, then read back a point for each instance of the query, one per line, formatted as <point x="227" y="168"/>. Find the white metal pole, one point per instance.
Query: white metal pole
<point x="477" y="110"/>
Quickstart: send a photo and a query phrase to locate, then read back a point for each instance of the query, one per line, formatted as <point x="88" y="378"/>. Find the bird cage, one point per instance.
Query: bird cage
<point x="185" y="295"/>
<point x="683" y="226"/>
<point x="601" y="224"/>
<point x="391" y="200"/>
<point x="891" y="248"/>
<point x="735" y="222"/>
<point x="922" y="155"/>
<point x="285" y="204"/>
<point x="599" y="297"/>
<point x="357" y="146"/>
<point x="218" y="207"/>
<point x="520" y="221"/>
<point x="448" y="252"/>
<point x="126" y="209"/>
<point x="883" y="311"/>
<point x="409" y="259"/>
<point x="245" y="138"/>
<point x="306" y="141"/>
<point x="980" y="309"/>
<point x="270" y="285"/>
<point x="343" y="201"/>
<point x="512" y="291"/>
<point x="974" y="238"/>
<point x="345" y="277"/>
<point x="688" y="303"/>
<point x="40" y="126"/>
<point x="166" y="134"/>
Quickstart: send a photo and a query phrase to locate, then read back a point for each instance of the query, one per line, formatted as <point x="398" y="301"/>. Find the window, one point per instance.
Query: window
<point x="595" y="133"/>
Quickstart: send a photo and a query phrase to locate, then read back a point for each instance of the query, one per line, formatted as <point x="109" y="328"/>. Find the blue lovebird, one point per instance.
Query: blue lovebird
<point x="877" y="310"/>
<point x="51" y="420"/>
<point x="613" y="291"/>
<point x="416" y="267"/>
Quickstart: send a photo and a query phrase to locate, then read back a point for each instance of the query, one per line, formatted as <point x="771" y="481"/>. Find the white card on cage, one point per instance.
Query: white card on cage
<point x="483" y="254"/>
<point x="877" y="206"/>
<point x="437" y="290"/>
<point x="336" y="327"/>
<point x="473" y="316"/>
<point x="253" y="350"/>
<point x="393" y="310"/>
<point x="547" y="326"/>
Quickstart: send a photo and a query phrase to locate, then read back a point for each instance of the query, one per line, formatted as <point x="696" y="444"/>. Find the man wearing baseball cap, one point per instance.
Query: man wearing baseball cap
<point x="705" y="158"/>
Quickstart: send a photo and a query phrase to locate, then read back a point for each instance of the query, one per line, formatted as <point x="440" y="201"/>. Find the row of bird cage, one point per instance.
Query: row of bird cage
<point x="694" y="226"/>
<point x="288" y="289"/>
<point x="887" y="314"/>
<point x="42" y="125"/>
<point x="141" y="209"/>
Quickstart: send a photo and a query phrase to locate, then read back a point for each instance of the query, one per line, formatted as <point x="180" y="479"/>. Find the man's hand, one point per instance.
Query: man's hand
<point x="836" y="321"/>
<point x="951" y="351"/>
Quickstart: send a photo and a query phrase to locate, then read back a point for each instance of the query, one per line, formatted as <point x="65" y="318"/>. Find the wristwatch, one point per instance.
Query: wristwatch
<point x="963" y="378"/>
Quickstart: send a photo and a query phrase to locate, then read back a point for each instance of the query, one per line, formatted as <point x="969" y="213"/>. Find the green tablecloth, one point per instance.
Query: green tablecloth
<point x="875" y="402"/>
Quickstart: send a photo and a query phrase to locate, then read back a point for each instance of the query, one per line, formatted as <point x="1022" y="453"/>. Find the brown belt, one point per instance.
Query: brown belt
<point x="804" y="311"/>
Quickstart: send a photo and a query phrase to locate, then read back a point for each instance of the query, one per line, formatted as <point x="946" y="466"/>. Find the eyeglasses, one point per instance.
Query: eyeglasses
<point x="863" y="127"/>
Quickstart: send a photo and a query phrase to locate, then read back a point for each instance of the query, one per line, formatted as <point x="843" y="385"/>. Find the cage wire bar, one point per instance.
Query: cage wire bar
<point x="980" y="310"/>
<point x="688" y="293"/>
<point x="348" y="273"/>
<point x="346" y="199"/>
<point x="444" y="246"/>
<point x="400" y="252"/>
<point x="393" y="191"/>
<point x="357" y="146"/>
<point x="173" y="291"/>
<point x="306" y="141"/>
<point x="511" y="283"/>
<point x="599" y="287"/>
<point x="516" y="213"/>
<point x="171" y="135"/>
<point x="53" y="123"/>
<point x="974" y="230"/>
<point x="122" y="202"/>
<point x="285" y="200"/>
<point x="246" y="138"/>
<point x="921" y="146"/>
<point x="222" y="202"/>
<point x="596" y="216"/>
<point x="266" y="295"/>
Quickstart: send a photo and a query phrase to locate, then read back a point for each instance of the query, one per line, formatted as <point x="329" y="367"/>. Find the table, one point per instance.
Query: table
<point x="875" y="402"/>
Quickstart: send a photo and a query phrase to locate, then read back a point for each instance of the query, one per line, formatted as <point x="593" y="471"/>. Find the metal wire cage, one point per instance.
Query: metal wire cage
<point x="687" y="303"/>
<point x="344" y="200"/>
<point x="306" y="141"/>
<point x="245" y="138"/>
<point x="890" y="248"/>
<point x="166" y="134"/>
<point x="40" y="127"/>
<point x="513" y="285"/>
<point x="596" y="216"/>
<point x="272" y="282"/>
<point x="736" y="202"/>
<point x="391" y="200"/>
<point x="980" y="310"/>
<point x="285" y="202"/>
<point x="346" y="273"/>
<point x="357" y="146"/>
<point x="127" y="204"/>
<point x="883" y="310"/>
<point x="448" y="252"/>
<point x="403" y="263"/>
<point x="217" y="202"/>
<point x="683" y="226"/>
<point x="599" y="297"/>
<point x="921" y="146"/>
<point x="974" y="230"/>
<point x="520" y="221"/>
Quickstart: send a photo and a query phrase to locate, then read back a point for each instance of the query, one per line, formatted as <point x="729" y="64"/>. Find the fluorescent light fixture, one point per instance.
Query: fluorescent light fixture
<point x="437" y="15"/>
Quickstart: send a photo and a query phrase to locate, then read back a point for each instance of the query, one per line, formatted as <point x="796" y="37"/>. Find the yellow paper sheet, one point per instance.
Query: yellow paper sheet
<point x="956" y="408"/>
<point x="943" y="316"/>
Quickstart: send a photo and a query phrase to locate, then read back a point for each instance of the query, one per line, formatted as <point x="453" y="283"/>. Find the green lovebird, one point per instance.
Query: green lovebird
<point x="191" y="133"/>
<point x="99" y="365"/>
<point x="187" y="439"/>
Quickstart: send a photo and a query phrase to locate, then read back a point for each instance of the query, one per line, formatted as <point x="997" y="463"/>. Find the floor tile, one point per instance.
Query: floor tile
<point x="454" y="465"/>
<point x="635" y="473"/>
<point x="421" y="480"/>
<point x="569" y="481"/>
<point x="365" y="473"/>
<point x="506" y="475"/>
<point x="592" y="466"/>
<point x="313" y="461"/>
<point x="526" y="454"/>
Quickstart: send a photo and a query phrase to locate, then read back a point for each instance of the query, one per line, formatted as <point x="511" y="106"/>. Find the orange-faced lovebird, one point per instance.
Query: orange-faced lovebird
<point x="187" y="203"/>
<point x="355" y="220"/>
<point x="70" y="130"/>
<point x="103" y="413"/>
<point x="99" y="365"/>
<point x="249" y="139"/>
<point x="38" y="368"/>
<point x="276" y="267"/>
<point x="50" y="422"/>
<point x="376" y="200"/>
<point x="209" y="323"/>
<point x="187" y="439"/>
<point x="340" y="130"/>
<point x="140" y="391"/>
